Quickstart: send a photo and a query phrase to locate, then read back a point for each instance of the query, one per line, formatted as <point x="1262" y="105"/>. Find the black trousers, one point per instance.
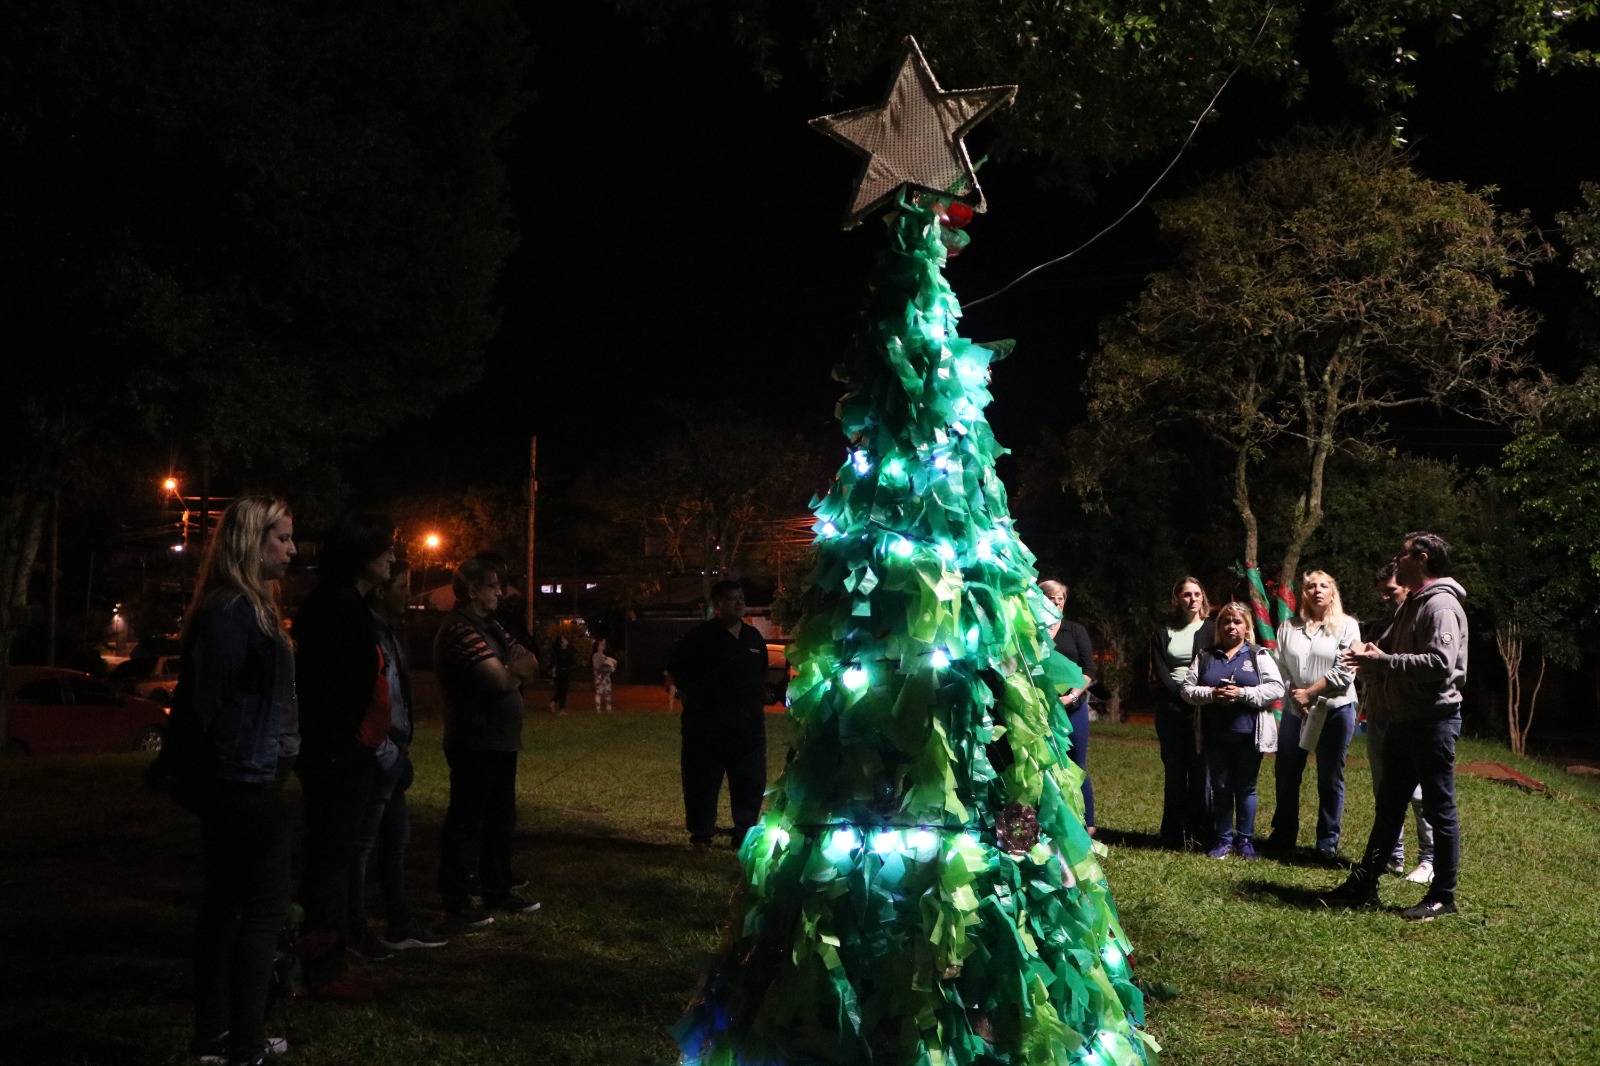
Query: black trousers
<point x="709" y="757"/>
<point x="336" y="793"/>
<point x="245" y="839"/>
<point x="477" y="826"/>
<point x="1186" y="791"/>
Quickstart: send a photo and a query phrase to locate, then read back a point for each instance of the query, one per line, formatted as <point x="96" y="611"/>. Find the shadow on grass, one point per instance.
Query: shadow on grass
<point x="1122" y="838"/>
<point x="1298" y="897"/>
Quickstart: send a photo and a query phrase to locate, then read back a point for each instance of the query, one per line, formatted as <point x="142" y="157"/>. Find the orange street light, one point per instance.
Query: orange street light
<point x="432" y="541"/>
<point x="171" y="484"/>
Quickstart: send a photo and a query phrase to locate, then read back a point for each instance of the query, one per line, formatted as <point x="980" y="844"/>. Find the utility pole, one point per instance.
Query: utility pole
<point x="55" y="572"/>
<point x="533" y="498"/>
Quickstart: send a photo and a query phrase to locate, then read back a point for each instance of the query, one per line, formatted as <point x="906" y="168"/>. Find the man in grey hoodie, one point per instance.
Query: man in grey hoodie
<point x="1420" y="666"/>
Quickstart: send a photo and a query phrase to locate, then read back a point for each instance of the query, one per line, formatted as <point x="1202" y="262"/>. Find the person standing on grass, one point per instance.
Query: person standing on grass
<point x="481" y="673"/>
<point x="1420" y="663"/>
<point x="234" y="732"/>
<point x="603" y="667"/>
<point x="720" y="669"/>
<point x="1393" y="595"/>
<point x="344" y="722"/>
<point x="1186" y="793"/>
<point x="1072" y="640"/>
<point x="386" y="824"/>
<point x="1230" y="687"/>
<point x="563" y="660"/>
<point x="1319" y="715"/>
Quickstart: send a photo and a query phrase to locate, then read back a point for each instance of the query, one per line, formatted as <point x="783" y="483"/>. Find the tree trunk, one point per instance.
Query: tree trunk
<point x="1508" y="639"/>
<point x="1533" y="702"/>
<point x="1307" y="518"/>
<point x="1241" y="501"/>
<point x="21" y="531"/>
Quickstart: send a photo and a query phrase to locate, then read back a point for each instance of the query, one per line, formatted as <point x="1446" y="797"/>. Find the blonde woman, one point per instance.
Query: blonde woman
<point x="1186" y="794"/>
<point x="234" y="716"/>
<point x="1319" y="714"/>
<point x="1230" y="684"/>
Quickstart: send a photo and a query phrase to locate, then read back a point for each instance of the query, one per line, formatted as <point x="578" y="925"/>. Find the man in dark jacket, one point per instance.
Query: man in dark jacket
<point x="1419" y="665"/>
<point x="720" y="669"/>
<point x="344" y="727"/>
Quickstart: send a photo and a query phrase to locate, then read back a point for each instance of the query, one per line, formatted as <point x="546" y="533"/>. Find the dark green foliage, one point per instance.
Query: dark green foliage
<point x="1102" y="83"/>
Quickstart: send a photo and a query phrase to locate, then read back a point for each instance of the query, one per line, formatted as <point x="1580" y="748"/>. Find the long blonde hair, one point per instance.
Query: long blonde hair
<point x="1334" y="617"/>
<point x="233" y="560"/>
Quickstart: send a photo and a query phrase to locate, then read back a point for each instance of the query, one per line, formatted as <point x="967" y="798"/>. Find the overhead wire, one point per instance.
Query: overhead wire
<point x="1193" y="131"/>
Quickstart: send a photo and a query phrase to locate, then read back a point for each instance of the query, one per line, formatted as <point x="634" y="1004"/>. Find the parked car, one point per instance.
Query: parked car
<point x="778" y="672"/>
<point x="154" y="679"/>
<point x="53" y="711"/>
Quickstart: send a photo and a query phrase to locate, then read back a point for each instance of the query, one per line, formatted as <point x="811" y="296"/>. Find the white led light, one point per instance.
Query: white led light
<point x="946" y="552"/>
<point x="841" y="843"/>
<point x="861" y="462"/>
<point x="885" y="841"/>
<point x="939" y="659"/>
<point x="855" y="678"/>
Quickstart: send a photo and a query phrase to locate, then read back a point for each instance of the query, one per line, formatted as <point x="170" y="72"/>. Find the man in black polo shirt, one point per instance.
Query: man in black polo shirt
<point x="720" y="669"/>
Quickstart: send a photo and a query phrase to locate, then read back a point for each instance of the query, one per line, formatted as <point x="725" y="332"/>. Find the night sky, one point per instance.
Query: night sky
<point x="681" y="242"/>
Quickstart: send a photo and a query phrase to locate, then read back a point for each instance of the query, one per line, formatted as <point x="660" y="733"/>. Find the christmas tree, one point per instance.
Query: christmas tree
<point x="922" y="890"/>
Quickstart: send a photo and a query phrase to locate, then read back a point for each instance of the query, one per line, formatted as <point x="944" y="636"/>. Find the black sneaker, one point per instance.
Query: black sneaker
<point x="470" y="917"/>
<point x="1355" y="892"/>
<point x="1429" y="909"/>
<point x="412" y="936"/>
<point x="1276" y="844"/>
<point x="514" y="904"/>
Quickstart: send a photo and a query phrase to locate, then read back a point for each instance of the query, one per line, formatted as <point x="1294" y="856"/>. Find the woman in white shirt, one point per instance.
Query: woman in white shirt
<point x="1319" y="712"/>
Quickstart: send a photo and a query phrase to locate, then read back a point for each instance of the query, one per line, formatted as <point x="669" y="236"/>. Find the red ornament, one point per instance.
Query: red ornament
<point x="956" y="214"/>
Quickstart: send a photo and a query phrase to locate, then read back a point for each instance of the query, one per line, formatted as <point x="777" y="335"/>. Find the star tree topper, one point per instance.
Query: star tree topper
<point x="915" y="138"/>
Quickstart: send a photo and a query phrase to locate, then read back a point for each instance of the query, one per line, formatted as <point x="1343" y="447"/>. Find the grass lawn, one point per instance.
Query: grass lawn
<point x="99" y="882"/>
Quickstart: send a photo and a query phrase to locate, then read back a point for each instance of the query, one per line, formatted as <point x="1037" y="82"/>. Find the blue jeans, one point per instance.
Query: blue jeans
<point x="386" y="829"/>
<point x="1418" y="753"/>
<point x="1331" y="747"/>
<point x="1234" y="765"/>
<point x="1186" y="792"/>
<point x="1078" y="751"/>
<point x="1377" y="733"/>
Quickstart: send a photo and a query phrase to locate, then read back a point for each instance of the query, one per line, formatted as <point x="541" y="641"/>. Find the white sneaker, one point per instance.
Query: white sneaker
<point x="1422" y="875"/>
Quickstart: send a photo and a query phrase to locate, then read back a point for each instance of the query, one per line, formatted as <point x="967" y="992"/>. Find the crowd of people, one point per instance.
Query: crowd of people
<point x="1216" y="721"/>
<point x="333" y="705"/>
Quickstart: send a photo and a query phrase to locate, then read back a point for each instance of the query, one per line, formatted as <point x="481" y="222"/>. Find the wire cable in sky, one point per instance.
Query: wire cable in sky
<point x="1193" y="130"/>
